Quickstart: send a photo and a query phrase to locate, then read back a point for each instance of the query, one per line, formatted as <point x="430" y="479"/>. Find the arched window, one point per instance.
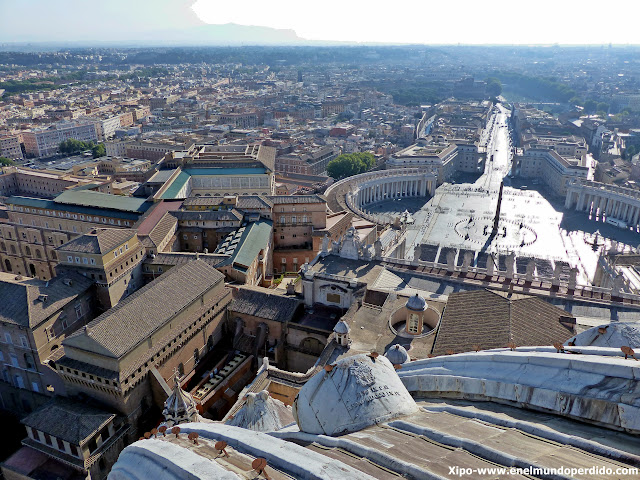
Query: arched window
<point x="7" y="265"/>
<point x="3" y="247"/>
<point x="38" y="254"/>
<point x="13" y="249"/>
<point x="32" y="269"/>
<point x="27" y="251"/>
<point x="28" y="360"/>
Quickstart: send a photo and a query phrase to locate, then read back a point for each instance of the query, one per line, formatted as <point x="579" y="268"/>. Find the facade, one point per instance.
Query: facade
<point x="554" y="170"/>
<point x="112" y="257"/>
<point x="10" y="147"/>
<point x="35" y="317"/>
<point x="44" y="143"/>
<point x="37" y="226"/>
<point x="295" y="218"/>
<point x="442" y="157"/>
<point x="313" y="161"/>
<point x="128" y="356"/>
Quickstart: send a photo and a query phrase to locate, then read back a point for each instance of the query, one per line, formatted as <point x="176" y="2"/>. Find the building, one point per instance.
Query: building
<point x="74" y="439"/>
<point x="421" y="155"/>
<point x="312" y="161"/>
<point x="44" y="143"/>
<point x="112" y="257"/>
<point x="295" y="219"/>
<point x="37" y="226"/>
<point x="10" y="147"/>
<point x="35" y="317"/>
<point x="128" y="356"/>
<point x="552" y="169"/>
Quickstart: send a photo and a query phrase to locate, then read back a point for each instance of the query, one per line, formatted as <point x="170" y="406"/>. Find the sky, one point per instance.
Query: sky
<point x="399" y="21"/>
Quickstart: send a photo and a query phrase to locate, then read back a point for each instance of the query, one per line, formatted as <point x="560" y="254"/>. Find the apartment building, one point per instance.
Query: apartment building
<point x="442" y="157"/>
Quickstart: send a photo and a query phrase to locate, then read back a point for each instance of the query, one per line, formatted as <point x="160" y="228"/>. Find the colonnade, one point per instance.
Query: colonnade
<point x="390" y="188"/>
<point x="605" y="200"/>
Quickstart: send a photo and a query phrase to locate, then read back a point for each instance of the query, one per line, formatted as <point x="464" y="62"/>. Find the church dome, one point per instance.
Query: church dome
<point x="356" y="392"/>
<point x="417" y="303"/>
<point x="397" y="354"/>
<point x="342" y="328"/>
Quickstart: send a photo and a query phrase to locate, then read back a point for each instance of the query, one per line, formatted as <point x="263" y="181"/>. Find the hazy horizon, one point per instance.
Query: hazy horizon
<point x="285" y="22"/>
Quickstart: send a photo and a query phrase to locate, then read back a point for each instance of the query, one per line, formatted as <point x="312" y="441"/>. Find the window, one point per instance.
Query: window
<point x="333" y="297"/>
<point x="85" y="260"/>
<point x="19" y="381"/>
<point x="7" y="338"/>
<point x="47" y="439"/>
<point x="77" y="259"/>
<point x="1" y="356"/>
<point x="70" y="258"/>
<point x="23" y="341"/>
<point x="35" y="388"/>
<point x="14" y="360"/>
<point x="284" y="261"/>
<point x="92" y="261"/>
<point x="293" y="219"/>
<point x="50" y="333"/>
<point x="78" y="309"/>
<point x="413" y="323"/>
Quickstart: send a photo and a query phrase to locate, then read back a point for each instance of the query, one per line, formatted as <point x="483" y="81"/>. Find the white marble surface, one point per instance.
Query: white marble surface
<point x="358" y="392"/>
<point x="262" y="413"/>
<point x="594" y="388"/>
<point x="617" y="334"/>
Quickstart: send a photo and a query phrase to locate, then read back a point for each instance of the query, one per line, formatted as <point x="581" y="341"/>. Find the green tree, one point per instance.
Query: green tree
<point x="4" y="161"/>
<point x="347" y="165"/>
<point x="590" y="106"/>
<point x="603" y="107"/>
<point x="576" y="101"/>
<point x="98" y="151"/>
<point x="494" y="86"/>
<point x="71" y="146"/>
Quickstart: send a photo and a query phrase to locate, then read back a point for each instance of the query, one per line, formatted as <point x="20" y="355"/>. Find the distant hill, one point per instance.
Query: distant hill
<point x="234" y="34"/>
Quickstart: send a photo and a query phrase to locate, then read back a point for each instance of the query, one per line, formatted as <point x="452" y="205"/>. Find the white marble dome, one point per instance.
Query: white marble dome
<point x="262" y="413"/>
<point x="397" y="354"/>
<point x="417" y="303"/>
<point x="356" y="392"/>
<point x="341" y="328"/>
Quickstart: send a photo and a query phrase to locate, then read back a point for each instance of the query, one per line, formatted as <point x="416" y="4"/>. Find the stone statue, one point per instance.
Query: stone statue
<point x="618" y="283"/>
<point x="451" y="258"/>
<point x="491" y="264"/>
<point x="350" y="246"/>
<point x="325" y="245"/>
<point x="557" y="270"/>
<point x="377" y="246"/>
<point x="511" y="262"/>
<point x="417" y="251"/>
<point x="573" y="278"/>
<point x="531" y="267"/>
<point x="466" y="261"/>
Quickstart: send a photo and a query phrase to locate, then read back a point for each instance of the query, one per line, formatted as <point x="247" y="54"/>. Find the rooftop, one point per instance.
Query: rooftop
<point x="120" y="329"/>
<point x="99" y="241"/>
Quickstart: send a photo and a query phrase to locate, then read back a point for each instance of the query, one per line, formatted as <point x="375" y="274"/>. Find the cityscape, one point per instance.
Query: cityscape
<point x="235" y="252"/>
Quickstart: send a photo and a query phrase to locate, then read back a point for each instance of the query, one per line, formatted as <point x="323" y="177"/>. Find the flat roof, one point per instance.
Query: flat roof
<point x="226" y="171"/>
<point x="102" y="200"/>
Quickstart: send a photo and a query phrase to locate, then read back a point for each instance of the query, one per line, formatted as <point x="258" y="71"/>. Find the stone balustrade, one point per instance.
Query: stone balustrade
<point x="605" y="200"/>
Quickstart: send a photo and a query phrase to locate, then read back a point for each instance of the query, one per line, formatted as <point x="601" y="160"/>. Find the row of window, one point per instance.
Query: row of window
<point x="73" y="216"/>
<point x="85" y="260"/>
<point x="23" y="341"/>
<point x="18" y="381"/>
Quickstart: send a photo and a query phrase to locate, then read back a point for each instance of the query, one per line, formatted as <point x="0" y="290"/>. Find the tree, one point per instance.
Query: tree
<point x="346" y="165"/>
<point x="5" y="162"/>
<point x="603" y="107"/>
<point x="576" y="101"/>
<point x="590" y="106"/>
<point x="98" y="151"/>
<point x="494" y="86"/>
<point x="71" y="146"/>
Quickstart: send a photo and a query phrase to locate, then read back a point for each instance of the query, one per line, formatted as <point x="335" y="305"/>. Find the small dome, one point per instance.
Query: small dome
<point x="180" y="406"/>
<point x="355" y="393"/>
<point x="341" y="328"/>
<point x="262" y="413"/>
<point x="397" y="354"/>
<point x="417" y="303"/>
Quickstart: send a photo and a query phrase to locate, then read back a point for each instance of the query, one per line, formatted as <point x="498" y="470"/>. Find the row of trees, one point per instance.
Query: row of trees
<point x="72" y="146"/>
<point x="349" y="164"/>
<point x="5" y="162"/>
